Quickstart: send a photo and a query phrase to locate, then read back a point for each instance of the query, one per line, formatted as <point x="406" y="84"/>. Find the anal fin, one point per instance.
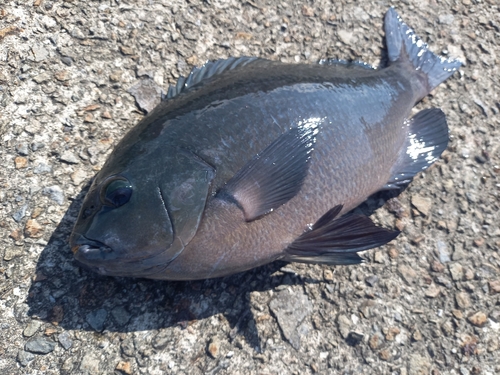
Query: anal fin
<point x="427" y="139"/>
<point x="336" y="241"/>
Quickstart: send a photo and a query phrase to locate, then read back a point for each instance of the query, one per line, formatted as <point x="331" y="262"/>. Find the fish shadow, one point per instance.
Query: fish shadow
<point x="74" y="298"/>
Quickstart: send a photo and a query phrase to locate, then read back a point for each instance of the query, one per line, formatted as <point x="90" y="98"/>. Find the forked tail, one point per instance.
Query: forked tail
<point x="404" y="45"/>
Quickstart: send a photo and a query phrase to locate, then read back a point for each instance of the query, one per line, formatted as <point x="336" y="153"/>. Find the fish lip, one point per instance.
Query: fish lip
<point x="104" y="260"/>
<point x="90" y="251"/>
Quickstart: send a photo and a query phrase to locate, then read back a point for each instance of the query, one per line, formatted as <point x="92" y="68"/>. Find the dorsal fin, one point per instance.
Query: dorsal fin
<point x="206" y="71"/>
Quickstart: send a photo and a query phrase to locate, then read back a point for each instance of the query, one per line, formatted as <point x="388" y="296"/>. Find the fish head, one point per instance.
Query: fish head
<point x="135" y="221"/>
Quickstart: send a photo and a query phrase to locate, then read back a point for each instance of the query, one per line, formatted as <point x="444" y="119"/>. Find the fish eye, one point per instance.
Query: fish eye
<point x="116" y="192"/>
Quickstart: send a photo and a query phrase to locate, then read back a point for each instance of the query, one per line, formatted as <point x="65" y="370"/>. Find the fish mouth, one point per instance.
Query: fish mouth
<point x="90" y="251"/>
<point x="98" y="257"/>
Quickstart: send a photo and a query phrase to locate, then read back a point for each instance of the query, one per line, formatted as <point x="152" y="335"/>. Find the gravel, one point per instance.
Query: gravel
<point x="40" y="345"/>
<point x="76" y="75"/>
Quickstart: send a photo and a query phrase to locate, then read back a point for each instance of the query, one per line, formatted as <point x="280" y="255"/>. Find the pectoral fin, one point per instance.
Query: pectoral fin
<point x="274" y="176"/>
<point x="336" y="241"/>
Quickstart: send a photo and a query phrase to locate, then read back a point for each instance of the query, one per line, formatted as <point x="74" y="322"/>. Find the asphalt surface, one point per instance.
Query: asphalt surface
<point x="428" y="303"/>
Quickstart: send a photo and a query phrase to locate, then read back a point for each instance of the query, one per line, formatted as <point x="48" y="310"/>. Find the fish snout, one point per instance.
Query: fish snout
<point x="90" y="251"/>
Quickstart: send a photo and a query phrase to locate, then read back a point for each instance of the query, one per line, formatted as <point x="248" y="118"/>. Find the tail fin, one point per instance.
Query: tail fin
<point x="403" y="43"/>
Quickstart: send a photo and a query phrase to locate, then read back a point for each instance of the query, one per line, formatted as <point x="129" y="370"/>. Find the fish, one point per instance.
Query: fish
<point x="248" y="161"/>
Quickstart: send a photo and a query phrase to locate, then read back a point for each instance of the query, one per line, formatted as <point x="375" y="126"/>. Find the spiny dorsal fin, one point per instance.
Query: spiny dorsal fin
<point x="206" y="71"/>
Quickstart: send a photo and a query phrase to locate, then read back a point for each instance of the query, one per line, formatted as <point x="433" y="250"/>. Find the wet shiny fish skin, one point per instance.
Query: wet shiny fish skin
<point x="196" y="175"/>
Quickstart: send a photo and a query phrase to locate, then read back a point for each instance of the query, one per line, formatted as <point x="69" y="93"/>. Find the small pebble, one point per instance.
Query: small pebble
<point x="391" y="333"/>
<point x="478" y="242"/>
<point x="69" y="157"/>
<point x="42" y="168"/>
<point x="65" y="340"/>
<point x="423" y="205"/>
<point x="55" y="193"/>
<point x="213" y="348"/>
<point x="89" y="118"/>
<point x="147" y="94"/>
<point x="12" y="252"/>
<point x="39" y="52"/>
<point x="161" y="340"/>
<point x="462" y="299"/>
<point x="432" y="291"/>
<point x="379" y="257"/>
<point x="124" y="367"/>
<point x="61" y="75"/>
<point x="24" y="357"/>
<point x="41" y="78"/>
<point x="442" y="224"/>
<point x="120" y="315"/>
<point x="328" y="274"/>
<point x="408" y="273"/>
<point x="284" y="307"/>
<point x="478" y="319"/>
<point x="126" y="50"/>
<point x="22" y="149"/>
<point x="458" y="252"/>
<point x="375" y="341"/>
<point x="16" y="234"/>
<point x="33" y="229"/>
<point x="393" y="252"/>
<point x="40" y="345"/>
<point x="106" y="115"/>
<point x="35" y="146"/>
<point x="371" y="280"/>
<point x="417" y="335"/>
<point x="67" y="60"/>
<point x="344" y="324"/>
<point x="345" y="36"/>
<point x="437" y="266"/>
<point x="385" y="354"/>
<point x="20" y="162"/>
<point x="469" y="275"/>
<point x="96" y="319"/>
<point x="307" y="11"/>
<point x="78" y="176"/>
<point x="443" y="253"/>
<point x="32" y="328"/>
<point x="494" y="286"/>
<point x="354" y="338"/>
<point x="90" y="364"/>
<point x="20" y="214"/>
<point x="456" y="271"/>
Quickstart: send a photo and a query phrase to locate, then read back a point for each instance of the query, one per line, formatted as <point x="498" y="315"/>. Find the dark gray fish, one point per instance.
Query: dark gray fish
<point x="248" y="161"/>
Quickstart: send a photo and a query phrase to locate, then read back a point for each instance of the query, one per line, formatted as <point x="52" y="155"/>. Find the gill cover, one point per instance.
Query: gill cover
<point x="184" y="197"/>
